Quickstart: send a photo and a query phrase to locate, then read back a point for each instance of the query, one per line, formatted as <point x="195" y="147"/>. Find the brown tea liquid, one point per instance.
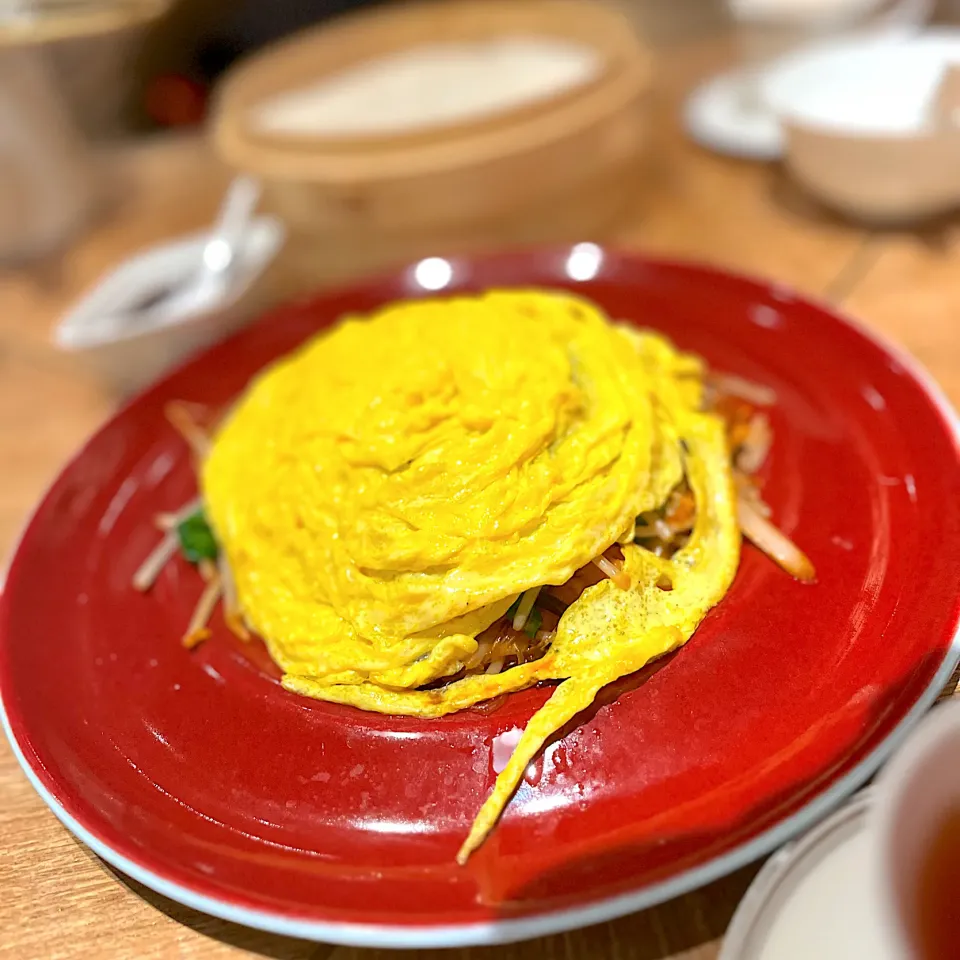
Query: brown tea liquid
<point x="938" y="905"/>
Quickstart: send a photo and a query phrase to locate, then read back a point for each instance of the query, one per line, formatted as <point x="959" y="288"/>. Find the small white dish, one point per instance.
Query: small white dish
<point x="129" y="347"/>
<point x="862" y="86"/>
<point x="732" y="114"/>
<point x="849" y="888"/>
<point x="813" y="898"/>
<point x="726" y="115"/>
<point x="862" y="129"/>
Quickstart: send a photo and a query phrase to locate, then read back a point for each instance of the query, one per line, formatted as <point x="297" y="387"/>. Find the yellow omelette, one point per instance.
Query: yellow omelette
<point x="384" y="494"/>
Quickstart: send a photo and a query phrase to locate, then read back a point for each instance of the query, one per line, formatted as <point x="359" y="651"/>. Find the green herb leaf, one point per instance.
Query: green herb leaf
<point x="196" y="538"/>
<point x="533" y="624"/>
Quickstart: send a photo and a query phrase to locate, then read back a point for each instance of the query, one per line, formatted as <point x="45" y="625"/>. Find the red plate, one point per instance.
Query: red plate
<point x="197" y="774"/>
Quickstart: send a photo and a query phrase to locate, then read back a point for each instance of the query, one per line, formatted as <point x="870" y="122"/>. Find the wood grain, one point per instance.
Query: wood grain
<point x="911" y="293"/>
<point x="729" y="213"/>
<point x="59" y="900"/>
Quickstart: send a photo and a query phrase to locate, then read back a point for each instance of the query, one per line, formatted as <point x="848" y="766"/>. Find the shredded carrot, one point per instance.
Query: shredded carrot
<point x="736" y="415"/>
<point x="197" y="630"/>
<point x="181" y="417"/>
<point x="681" y="510"/>
<point x="196" y="637"/>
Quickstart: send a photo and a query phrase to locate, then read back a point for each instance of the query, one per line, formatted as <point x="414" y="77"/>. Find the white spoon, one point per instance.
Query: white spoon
<point x="216" y="261"/>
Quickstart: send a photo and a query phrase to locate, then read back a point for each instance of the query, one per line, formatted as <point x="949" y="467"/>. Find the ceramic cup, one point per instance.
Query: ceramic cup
<point x="49" y="187"/>
<point x="863" y="124"/>
<point x="916" y="793"/>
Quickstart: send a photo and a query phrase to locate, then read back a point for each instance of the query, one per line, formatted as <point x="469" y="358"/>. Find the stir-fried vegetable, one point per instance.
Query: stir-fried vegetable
<point x="197" y="541"/>
<point x="534" y="621"/>
<point x="776" y="545"/>
<point x="522" y="635"/>
<point x="524" y="606"/>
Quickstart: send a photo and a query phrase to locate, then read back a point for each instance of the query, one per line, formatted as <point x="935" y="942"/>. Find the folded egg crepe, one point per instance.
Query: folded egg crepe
<point x="392" y="495"/>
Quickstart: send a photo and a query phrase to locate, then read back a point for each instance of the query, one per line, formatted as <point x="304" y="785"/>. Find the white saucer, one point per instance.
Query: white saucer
<point x="718" y="116"/>
<point x="813" y="898"/>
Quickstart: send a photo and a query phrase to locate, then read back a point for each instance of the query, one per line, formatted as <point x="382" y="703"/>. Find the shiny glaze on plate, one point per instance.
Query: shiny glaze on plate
<point x="198" y="774"/>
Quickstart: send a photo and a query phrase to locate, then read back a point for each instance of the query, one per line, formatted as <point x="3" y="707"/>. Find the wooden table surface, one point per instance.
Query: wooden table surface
<point x="58" y="900"/>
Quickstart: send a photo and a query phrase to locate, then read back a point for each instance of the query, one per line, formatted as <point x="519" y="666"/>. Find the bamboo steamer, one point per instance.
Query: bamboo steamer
<point x="561" y="168"/>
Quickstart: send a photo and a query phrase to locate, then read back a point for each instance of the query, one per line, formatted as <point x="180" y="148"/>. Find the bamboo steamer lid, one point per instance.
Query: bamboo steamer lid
<point x="554" y="168"/>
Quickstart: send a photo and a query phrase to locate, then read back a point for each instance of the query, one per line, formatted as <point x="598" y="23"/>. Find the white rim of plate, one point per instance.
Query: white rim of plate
<point x="558" y="921"/>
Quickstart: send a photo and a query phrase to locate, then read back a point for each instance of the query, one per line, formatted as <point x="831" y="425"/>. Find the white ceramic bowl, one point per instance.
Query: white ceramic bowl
<point x="130" y="354"/>
<point x="859" y="129"/>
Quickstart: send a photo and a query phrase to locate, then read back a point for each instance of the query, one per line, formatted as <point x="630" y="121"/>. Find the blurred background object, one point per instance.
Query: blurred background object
<point x="871" y="126"/>
<point x="728" y="114"/>
<point x="173" y="61"/>
<point x="190" y="48"/>
<point x="160" y="306"/>
<point x="385" y="132"/>
<point x="61" y="65"/>
<point x="440" y="127"/>
<point x="90" y="46"/>
<point x="48" y="186"/>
